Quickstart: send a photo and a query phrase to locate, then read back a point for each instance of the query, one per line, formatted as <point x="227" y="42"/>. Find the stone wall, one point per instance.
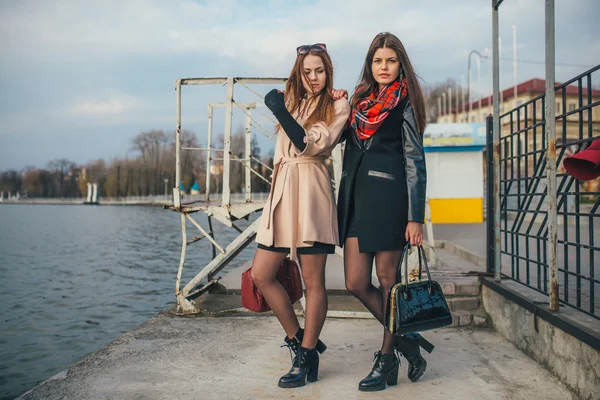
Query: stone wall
<point x="574" y="362"/>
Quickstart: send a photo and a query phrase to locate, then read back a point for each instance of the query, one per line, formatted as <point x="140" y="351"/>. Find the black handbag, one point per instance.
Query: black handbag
<point x="417" y="306"/>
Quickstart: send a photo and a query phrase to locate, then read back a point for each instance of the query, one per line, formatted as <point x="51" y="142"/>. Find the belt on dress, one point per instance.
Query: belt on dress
<point x="294" y="195"/>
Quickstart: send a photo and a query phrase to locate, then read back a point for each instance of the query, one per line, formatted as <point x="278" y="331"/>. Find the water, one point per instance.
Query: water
<point x="74" y="278"/>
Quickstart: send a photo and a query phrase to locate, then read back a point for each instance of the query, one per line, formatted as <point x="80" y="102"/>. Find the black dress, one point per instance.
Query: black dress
<point x="383" y="183"/>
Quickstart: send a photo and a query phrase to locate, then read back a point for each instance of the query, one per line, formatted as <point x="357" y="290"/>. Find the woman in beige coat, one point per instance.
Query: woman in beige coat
<point x="300" y="215"/>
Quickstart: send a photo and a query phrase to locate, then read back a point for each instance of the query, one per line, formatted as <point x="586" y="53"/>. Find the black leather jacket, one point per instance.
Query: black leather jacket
<point x="383" y="182"/>
<point x="416" y="172"/>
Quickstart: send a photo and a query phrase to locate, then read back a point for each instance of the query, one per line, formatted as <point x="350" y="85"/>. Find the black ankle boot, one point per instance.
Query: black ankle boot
<point x="409" y="346"/>
<point x="385" y="371"/>
<point x="295" y="342"/>
<point x="305" y="366"/>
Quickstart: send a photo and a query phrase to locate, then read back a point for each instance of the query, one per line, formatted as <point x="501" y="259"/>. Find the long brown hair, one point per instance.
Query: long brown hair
<point x="295" y="91"/>
<point x="367" y="82"/>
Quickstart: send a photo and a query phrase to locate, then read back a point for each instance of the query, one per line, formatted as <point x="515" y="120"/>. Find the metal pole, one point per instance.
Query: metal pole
<point x="489" y="190"/>
<point x="227" y="143"/>
<point x="450" y="102"/>
<point x="248" y="159"/>
<point x="469" y="83"/>
<point x="457" y="103"/>
<point x="209" y="153"/>
<point x="500" y="84"/>
<point x="462" y="84"/>
<point x="469" y="89"/>
<point x="443" y="103"/>
<point x="479" y="88"/>
<point x="515" y="64"/>
<point x="492" y="91"/>
<point x="496" y="128"/>
<point x="176" y="191"/>
<point x="550" y="114"/>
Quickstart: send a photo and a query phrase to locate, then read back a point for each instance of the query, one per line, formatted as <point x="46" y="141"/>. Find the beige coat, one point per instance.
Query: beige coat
<point x="300" y="209"/>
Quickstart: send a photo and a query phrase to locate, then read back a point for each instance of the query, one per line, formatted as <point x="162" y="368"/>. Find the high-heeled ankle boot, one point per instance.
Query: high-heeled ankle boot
<point x="295" y="342"/>
<point x="409" y="346"/>
<point x="385" y="371"/>
<point x="305" y="366"/>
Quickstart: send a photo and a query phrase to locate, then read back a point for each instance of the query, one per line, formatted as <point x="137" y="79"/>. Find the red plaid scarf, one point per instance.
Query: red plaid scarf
<point x="370" y="112"/>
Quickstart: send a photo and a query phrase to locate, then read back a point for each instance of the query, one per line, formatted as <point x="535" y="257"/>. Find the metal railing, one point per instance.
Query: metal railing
<point x="525" y="242"/>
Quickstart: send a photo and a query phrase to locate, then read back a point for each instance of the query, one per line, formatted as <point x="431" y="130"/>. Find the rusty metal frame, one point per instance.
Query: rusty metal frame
<point x="226" y="212"/>
<point x="550" y="128"/>
<point x="540" y="198"/>
<point x="550" y="133"/>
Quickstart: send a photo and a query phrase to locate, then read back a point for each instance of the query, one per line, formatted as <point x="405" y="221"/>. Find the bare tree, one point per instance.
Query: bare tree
<point x="435" y="91"/>
<point x="61" y="168"/>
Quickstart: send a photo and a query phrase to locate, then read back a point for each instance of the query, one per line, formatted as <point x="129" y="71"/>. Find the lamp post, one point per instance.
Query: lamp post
<point x="469" y="81"/>
<point x="457" y="103"/>
<point x="450" y="102"/>
<point x="443" y="103"/>
<point x="462" y="92"/>
<point x="166" y="181"/>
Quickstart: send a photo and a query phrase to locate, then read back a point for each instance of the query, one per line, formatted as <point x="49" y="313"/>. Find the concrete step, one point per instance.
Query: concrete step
<point x="469" y="303"/>
<point x="340" y="306"/>
<point x="451" y="272"/>
<point x="463" y="318"/>
<point x="457" y="285"/>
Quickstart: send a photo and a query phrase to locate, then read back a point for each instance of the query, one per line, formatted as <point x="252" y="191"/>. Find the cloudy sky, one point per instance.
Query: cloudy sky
<point x="79" y="78"/>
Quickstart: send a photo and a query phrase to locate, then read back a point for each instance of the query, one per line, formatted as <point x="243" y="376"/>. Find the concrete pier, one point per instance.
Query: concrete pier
<point x="228" y="353"/>
<point x="238" y="357"/>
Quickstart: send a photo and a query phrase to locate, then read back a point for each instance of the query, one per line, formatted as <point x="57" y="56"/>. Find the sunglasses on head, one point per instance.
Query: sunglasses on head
<point x="305" y="48"/>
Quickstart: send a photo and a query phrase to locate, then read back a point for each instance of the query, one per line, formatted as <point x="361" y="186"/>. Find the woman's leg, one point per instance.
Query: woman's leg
<point x="357" y="267"/>
<point x="313" y="273"/>
<point x="357" y="272"/>
<point x="264" y="274"/>
<point x="386" y="265"/>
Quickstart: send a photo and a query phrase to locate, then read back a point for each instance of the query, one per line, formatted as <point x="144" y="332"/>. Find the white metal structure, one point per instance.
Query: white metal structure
<point x="227" y="212"/>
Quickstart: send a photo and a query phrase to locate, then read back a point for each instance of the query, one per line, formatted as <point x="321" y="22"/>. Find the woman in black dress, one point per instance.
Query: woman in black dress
<point x="381" y="203"/>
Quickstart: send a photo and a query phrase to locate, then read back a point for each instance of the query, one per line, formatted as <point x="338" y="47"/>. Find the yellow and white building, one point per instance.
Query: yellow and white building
<point x="454" y="154"/>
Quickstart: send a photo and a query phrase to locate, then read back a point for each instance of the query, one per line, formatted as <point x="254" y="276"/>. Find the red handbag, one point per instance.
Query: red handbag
<point x="289" y="277"/>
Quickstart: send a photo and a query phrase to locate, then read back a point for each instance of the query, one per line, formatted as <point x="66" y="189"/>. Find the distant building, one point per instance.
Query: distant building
<point x="455" y="172"/>
<point x="527" y="119"/>
<point x="565" y="103"/>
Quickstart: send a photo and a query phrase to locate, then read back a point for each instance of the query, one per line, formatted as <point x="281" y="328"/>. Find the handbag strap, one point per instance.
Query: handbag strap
<point x="422" y="252"/>
<point x="404" y="259"/>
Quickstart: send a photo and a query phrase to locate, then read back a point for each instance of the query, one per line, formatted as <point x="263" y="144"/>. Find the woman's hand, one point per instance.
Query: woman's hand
<point x="274" y="100"/>
<point x="414" y="233"/>
<point x="339" y="93"/>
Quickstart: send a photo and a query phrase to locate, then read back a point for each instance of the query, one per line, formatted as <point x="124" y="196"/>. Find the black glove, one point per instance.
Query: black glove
<point x="274" y="100"/>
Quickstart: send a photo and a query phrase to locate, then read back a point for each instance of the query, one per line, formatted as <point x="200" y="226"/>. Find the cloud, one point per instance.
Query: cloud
<point x="99" y="108"/>
<point x="262" y="34"/>
<point x="114" y="105"/>
<point x="106" y="63"/>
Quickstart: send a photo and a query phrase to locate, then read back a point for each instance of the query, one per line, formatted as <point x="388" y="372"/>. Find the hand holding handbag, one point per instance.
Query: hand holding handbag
<point x="418" y="306"/>
<point x="289" y="277"/>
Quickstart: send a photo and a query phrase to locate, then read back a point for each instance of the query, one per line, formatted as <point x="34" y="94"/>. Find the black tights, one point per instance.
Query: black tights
<point x="264" y="274"/>
<point x="357" y="270"/>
